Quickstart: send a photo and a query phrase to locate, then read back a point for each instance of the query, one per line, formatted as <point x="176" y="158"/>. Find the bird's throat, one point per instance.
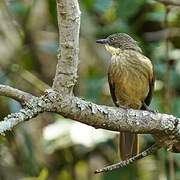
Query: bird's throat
<point x="113" y="50"/>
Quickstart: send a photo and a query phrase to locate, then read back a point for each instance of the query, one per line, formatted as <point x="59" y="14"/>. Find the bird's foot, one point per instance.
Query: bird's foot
<point x="148" y="109"/>
<point x="123" y="107"/>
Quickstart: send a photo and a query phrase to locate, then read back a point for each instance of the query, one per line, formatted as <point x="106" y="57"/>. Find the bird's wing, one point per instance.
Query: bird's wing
<point x="151" y="88"/>
<point x="112" y="89"/>
<point x="148" y="99"/>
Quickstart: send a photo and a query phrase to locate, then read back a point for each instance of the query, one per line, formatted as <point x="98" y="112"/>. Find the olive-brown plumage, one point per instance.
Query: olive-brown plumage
<point x="131" y="82"/>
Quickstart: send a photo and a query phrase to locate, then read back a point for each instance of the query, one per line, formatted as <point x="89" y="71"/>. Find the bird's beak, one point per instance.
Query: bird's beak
<point x="102" y="41"/>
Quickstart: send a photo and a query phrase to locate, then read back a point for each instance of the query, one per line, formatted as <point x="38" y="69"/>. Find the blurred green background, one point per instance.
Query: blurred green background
<point x="54" y="148"/>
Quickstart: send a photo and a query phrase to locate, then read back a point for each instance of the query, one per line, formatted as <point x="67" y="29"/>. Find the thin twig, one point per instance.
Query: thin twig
<point x="16" y="94"/>
<point x="121" y="164"/>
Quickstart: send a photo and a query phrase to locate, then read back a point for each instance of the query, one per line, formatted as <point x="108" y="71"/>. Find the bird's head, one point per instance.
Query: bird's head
<point x="119" y="41"/>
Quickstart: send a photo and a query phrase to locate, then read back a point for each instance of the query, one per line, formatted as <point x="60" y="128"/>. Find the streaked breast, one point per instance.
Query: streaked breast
<point x="130" y="73"/>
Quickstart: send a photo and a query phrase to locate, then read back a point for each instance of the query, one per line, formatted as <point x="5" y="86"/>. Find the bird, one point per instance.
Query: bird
<point x="131" y="82"/>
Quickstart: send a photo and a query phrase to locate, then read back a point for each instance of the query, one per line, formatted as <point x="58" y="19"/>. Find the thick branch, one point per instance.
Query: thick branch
<point x="111" y="118"/>
<point x="69" y="23"/>
<point x="16" y="94"/>
<point x="98" y="116"/>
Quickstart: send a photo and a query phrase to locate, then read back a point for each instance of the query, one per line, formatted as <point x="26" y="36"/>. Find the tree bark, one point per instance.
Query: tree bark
<point x="69" y="23"/>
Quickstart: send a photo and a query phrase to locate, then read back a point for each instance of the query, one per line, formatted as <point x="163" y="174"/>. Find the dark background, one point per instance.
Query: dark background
<point x="51" y="147"/>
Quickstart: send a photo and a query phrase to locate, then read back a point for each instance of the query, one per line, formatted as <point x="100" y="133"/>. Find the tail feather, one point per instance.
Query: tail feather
<point x="128" y="145"/>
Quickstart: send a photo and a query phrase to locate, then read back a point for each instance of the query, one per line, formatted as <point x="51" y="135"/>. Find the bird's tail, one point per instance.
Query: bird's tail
<point x="128" y="145"/>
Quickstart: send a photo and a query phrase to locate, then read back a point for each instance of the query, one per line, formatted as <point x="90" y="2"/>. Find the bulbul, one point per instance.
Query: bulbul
<point x="131" y="82"/>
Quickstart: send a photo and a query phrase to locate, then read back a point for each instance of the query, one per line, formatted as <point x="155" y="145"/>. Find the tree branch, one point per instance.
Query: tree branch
<point x="15" y="118"/>
<point x="16" y="94"/>
<point x="69" y="23"/>
<point x="165" y="128"/>
<point x="139" y="156"/>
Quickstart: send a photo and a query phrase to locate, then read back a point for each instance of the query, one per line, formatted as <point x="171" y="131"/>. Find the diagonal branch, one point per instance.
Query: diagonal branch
<point x="16" y="94"/>
<point x="15" y="118"/>
<point x="32" y="108"/>
<point x="139" y="156"/>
